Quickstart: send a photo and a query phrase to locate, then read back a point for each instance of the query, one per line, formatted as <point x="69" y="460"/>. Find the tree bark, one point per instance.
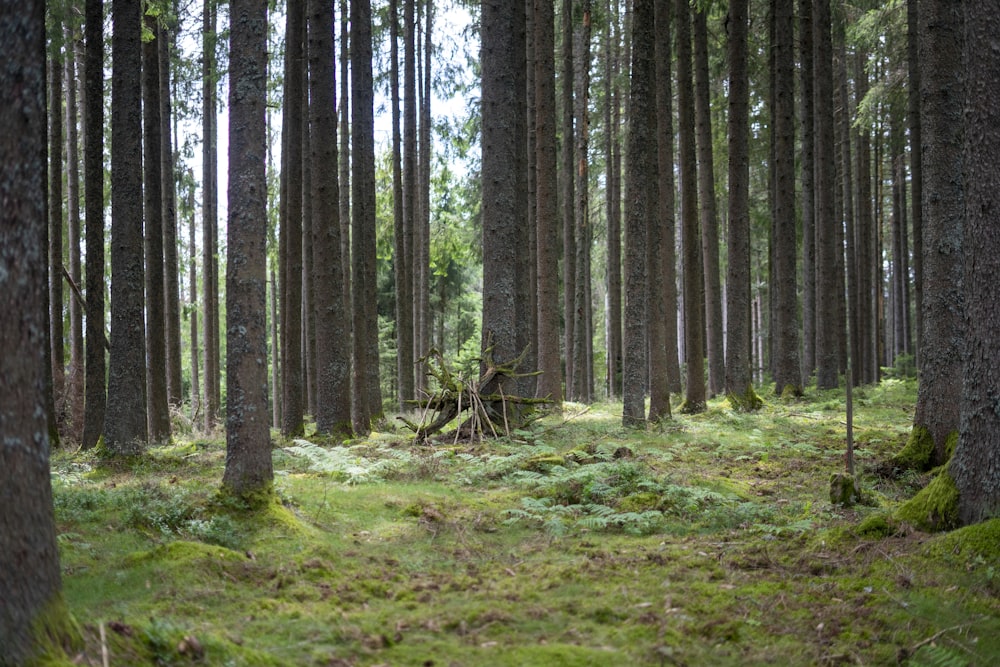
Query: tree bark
<point x="937" y="413"/>
<point x="638" y="168"/>
<point x="546" y="197"/>
<point x="74" y="380"/>
<point x="828" y="327"/>
<point x="808" y="189"/>
<point x="916" y="166"/>
<point x="581" y="389"/>
<point x="568" y="177"/>
<point x="292" y="419"/>
<point x="125" y="419"/>
<point x="210" y="184"/>
<point x="249" y="471"/>
<point x="171" y="279"/>
<point x="709" y="215"/>
<point x="95" y="390"/>
<point x="156" y="350"/>
<point x="739" y="381"/>
<point x="368" y="398"/>
<point x="694" y="329"/>
<point x="974" y="465"/>
<point x="612" y="175"/>
<point x="33" y="611"/>
<point x="333" y="349"/>
<point x="56" y="329"/>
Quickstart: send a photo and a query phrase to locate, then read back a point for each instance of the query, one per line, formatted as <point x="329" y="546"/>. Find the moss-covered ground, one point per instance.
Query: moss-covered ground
<point x="709" y="540"/>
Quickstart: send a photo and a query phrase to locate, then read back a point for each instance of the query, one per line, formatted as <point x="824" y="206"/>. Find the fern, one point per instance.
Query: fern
<point x="937" y="655"/>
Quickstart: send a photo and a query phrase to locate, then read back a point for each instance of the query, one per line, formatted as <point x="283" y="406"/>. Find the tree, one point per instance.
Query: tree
<point x="661" y="304"/>
<point x="639" y="161"/>
<point x="400" y="257"/>
<point x="333" y="361"/>
<point x="94" y="390"/>
<point x="504" y="185"/>
<point x="739" y="381"/>
<point x="410" y="181"/>
<point x="828" y="327"/>
<point x="785" y="330"/>
<point x="74" y="382"/>
<point x="57" y="334"/>
<point x="32" y="611"/>
<point x="694" y="400"/>
<point x="171" y="241"/>
<point x="156" y="350"/>
<point x="125" y="418"/>
<point x="612" y="149"/>
<point x="937" y="414"/>
<point x="916" y="163"/>
<point x="546" y="197"/>
<point x="292" y="424"/>
<point x="210" y="213"/>
<point x="709" y="216"/>
<point x="367" y="393"/>
<point x="249" y="469"/>
<point x="582" y="387"/>
<point x="808" y="189"/>
<point x="666" y="197"/>
<point x="974" y="465"/>
<point x="568" y="176"/>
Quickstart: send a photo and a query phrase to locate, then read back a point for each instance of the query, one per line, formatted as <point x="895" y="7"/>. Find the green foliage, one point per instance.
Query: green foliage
<point x="935" y="507"/>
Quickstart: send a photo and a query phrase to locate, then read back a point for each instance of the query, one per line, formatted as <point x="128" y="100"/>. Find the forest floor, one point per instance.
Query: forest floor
<point x="708" y="541"/>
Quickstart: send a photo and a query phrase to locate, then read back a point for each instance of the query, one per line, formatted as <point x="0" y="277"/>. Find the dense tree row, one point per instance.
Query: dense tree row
<point x="856" y="207"/>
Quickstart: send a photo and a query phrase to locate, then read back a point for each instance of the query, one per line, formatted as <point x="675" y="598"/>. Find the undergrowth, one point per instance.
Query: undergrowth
<point x="709" y="539"/>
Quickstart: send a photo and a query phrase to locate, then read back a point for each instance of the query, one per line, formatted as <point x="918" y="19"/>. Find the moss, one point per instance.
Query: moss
<point x="949" y="445"/>
<point x="918" y="451"/>
<point x="843" y="489"/>
<point x="935" y="507"/>
<point x="182" y="552"/>
<point x="256" y="499"/>
<point x="55" y="633"/>
<point x="639" y="502"/>
<point x="692" y="407"/>
<point x="543" y="462"/>
<point x="877" y="526"/>
<point x="981" y="540"/>
<point x="790" y="391"/>
<point x="748" y="401"/>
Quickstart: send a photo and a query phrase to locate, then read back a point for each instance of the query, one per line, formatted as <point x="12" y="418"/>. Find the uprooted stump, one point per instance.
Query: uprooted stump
<point x="493" y="414"/>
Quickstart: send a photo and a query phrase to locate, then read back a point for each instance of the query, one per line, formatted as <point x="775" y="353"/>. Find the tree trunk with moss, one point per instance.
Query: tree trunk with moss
<point x="936" y="420"/>
<point x="34" y="620"/>
<point x="976" y="463"/>
<point x="249" y="470"/>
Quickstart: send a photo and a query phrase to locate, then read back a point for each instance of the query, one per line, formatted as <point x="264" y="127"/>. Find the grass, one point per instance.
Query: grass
<point x="708" y="540"/>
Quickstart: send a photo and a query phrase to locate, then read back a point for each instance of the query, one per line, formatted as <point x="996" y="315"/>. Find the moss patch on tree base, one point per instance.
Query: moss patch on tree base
<point x="843" y="490"/>
<point x="919" y="451"/>
<point x="55" y="634"/>
<point x="935" y="507"/>
<point x="748" y="401"/>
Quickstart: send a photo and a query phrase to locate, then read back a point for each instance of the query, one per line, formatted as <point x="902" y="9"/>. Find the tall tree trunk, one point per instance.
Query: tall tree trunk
<point x="639" y="167"/>
<point x="828" y="327"/>
<point x="694" y="329"/>
<point x="292" y="420"/>
<point x="402" y="274"/>
<point x="568" y="177"/>
<point x="95" y="391"/>
<point x="666" y="199"/>
<point x="29" y="556"/>
<point x="612" y="175"/>
<point x="974" y="465"/>
<point x="125" y="418"/>
<point x="196" y="402"/>
<point x="867" y="302"/>
<point x="156" y="349"/>
<point x="787" y="369"/>
<point x="709" y="216"/>
<point x="937" y="416"/>
<point x="210" y="176"/>
<point x="504" y="200"/>
<point x="916" y="166"/>
<point x="366" y="361"/>
<point x="410" y="181"/>
<point x="56" y="330"/>
<point x="900" y="276"/>
<point x="581" y="331"/>
<point x="422" y="232"/>
<point x="547" y="211"/>
<point x="171" y="279"/>
<point x="308" y="283"/>
<point x="249" y="469"/>
<point x="74" y="384"/>
<point x="808" y="188"/>
<point x="844" y="120"/>
<point x="739" y="381"/>
<point x="333" y="349"/>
